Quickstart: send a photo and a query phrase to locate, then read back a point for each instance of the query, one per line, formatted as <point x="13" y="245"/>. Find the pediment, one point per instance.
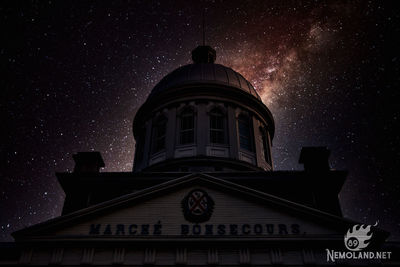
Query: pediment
<point x="196" y="206"/>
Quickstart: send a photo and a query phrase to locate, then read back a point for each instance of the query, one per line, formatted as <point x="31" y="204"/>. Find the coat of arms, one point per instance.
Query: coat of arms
<point x="197" y="206"/>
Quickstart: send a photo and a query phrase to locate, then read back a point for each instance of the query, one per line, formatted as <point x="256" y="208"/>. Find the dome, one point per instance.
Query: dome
<point x="203" y="116"/>
<point x="204" y="73"/>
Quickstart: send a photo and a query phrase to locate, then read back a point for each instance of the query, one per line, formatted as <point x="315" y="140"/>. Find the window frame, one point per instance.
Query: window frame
<point x="266" y="148"/>
<point x="140" y="145"/>
<point x="160" y="122"/>
<point x="191" y="132"/>
<point x="250" y="137"/>
<point x="218" y="114"/>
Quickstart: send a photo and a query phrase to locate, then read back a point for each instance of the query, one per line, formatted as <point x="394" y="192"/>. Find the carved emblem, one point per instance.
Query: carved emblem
<point x="197" y="206"/>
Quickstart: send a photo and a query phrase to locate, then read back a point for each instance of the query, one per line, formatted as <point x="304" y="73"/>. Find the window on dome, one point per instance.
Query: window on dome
<point x="140" y="144"/>
<point x="186" y="127"/>
<point x="217" y="132"/>
<point x="159" y="131"/>
<point x="244" y="126"/>
<point x="265" y="144"/>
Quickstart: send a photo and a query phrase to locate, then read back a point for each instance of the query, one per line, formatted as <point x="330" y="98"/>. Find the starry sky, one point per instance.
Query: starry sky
<point x="75" y="72"/>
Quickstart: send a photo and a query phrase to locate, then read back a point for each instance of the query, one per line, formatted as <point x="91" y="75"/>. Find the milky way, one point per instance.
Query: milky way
<point x="76" y="73"/>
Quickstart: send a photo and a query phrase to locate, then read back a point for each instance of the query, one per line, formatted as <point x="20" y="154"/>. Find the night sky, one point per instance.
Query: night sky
<point x="73" y="74"/>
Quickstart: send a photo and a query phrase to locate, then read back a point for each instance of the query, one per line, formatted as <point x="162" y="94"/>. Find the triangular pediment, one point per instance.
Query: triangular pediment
<point x="195" y="206"/>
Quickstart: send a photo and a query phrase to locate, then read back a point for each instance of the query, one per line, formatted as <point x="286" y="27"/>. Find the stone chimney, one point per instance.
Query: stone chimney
<point x="88" y="162"/>
<point x="315" y="159"/>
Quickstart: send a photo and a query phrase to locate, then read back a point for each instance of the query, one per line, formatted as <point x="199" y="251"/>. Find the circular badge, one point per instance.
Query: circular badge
<point x="197" y="206"/>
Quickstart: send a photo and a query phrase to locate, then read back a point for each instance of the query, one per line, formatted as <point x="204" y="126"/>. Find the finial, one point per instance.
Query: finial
<point x="204" y="54"/>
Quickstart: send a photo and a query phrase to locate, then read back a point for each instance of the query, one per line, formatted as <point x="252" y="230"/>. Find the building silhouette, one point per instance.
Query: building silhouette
<point x="202" y="191"/>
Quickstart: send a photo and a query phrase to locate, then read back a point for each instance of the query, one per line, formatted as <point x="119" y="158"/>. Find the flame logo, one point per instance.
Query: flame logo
<point x="358" y="237"/>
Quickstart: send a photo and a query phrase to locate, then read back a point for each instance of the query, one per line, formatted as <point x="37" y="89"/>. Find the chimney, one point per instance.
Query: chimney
<point x="88" y="162"/>
<point x="315" y="159"/>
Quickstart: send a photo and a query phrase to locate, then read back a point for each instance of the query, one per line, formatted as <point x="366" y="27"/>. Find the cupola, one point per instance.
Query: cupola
<point x="203" y="117"/>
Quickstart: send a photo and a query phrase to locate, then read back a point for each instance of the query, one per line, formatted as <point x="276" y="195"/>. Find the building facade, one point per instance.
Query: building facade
<point x="202" y="191"/>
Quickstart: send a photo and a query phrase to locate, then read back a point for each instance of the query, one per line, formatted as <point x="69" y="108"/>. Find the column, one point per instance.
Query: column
<point x="202" y="129"/>
<point x="170" y="135"/>
<point x="232" y="133"/>
<point x="258" y="146"/>
<point x="147" y="143"/>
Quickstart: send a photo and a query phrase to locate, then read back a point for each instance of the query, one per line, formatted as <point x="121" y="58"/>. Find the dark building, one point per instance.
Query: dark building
<point x="202" y="192"/>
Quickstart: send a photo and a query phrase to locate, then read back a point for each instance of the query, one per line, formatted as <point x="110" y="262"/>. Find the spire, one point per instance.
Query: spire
<point x="204" y="53"/>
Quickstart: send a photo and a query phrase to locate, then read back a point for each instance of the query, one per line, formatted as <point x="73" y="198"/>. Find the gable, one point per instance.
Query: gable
<point x="164" y="216"/>
<point x="229" y="210"/>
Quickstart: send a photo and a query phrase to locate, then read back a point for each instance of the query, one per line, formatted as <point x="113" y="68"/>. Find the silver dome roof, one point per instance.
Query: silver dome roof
<point x="204" y="73"/>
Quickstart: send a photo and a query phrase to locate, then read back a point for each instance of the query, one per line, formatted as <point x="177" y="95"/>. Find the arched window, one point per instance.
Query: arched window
<point x="140" y="144"/>
<point x="245" y="132"/>
<point x="265" y="144"/>
<point x="159" y="131"/>
<point x="217" y="132"/>
<point x="186" y="132"/>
